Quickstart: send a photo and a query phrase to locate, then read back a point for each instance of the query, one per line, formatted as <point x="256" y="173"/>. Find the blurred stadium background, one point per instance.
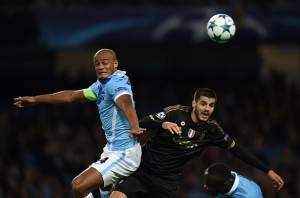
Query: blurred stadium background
<point x="47" y="46"/>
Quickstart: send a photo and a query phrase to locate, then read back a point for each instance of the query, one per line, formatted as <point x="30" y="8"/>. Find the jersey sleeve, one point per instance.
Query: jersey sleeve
<point x="248" y="157"/>
<point x="90" y="93"/>
<point x="156" y="119"/>
<point x="119" y="86"/>
<point x="218" y="137"/>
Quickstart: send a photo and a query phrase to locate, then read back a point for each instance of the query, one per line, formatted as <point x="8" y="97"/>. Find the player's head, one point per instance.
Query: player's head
<point x="106" y="63"/>
<point x="218" y="179"/>
<point x="203" y="104"/>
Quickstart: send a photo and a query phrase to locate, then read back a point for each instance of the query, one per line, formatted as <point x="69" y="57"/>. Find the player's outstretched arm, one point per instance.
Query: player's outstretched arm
<point x="124" y="102"/>
<point x="276" y="180"/>
<point x="249" y="158"/>
<point x="61" y="97"/>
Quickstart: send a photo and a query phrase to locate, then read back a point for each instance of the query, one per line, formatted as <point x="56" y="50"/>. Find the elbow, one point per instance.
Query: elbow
<point x="70" y="98"/>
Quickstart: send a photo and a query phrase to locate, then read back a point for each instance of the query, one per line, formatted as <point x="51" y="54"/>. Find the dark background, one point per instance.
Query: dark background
<point x="47" y="46"/>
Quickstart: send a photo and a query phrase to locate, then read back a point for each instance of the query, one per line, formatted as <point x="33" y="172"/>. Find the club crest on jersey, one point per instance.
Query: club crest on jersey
<point x="119" y="89"/>
<point x="161" y="115"/>
<point x="191" y="133"/>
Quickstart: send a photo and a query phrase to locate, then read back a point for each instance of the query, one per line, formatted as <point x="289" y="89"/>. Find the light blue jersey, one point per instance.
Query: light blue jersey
<point x="114" y="121"/>
<point x="243" y="188"/>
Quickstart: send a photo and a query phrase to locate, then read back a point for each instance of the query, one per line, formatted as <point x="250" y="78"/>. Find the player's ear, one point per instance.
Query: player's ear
<point x="116" y="64"/>
<point x="194" y="104"/>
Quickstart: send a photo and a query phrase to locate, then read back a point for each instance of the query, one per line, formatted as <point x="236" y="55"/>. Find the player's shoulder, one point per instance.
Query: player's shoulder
<point x="95" y="85"/>
<point x="215" y="125"/>
<point x="119" y="77"/>
<point x="177" y="108"/>
<point x="213" y="122"/>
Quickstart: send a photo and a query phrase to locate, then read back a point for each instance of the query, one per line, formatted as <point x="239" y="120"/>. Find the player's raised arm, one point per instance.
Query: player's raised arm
<point x="67" y="96"/>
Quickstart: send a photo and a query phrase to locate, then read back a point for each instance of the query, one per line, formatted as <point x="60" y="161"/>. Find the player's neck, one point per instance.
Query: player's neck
<point x="194" y="117"/>
<point x="196" y="120"/>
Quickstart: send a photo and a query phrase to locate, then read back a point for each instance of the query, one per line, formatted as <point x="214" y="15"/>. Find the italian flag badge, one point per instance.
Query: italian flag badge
<point x="191" y="133"/>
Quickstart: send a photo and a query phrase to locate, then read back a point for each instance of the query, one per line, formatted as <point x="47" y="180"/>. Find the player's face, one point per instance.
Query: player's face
<point x="105" y="64"/>
<point x="203" y="108"/>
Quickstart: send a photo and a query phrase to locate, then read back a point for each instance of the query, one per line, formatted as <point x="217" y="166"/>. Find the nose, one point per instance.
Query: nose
<point x="99" y="66"/>
<point x="206" y="108"/>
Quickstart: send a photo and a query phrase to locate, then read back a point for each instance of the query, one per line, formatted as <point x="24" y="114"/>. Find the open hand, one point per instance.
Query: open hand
<point x="172" y="127"/>
<point x="24" y="101"/>
<point x="276" y="180"/>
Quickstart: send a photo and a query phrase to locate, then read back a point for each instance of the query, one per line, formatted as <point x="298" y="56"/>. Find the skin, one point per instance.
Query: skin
<point x="203" y="108"/>
<point x="105" y="63"/>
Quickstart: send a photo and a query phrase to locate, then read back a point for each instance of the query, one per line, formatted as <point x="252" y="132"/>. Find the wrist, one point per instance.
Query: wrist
<point x="135" y="128"/>
<point x="34" y="99"/>
<point x="164" y="124"/>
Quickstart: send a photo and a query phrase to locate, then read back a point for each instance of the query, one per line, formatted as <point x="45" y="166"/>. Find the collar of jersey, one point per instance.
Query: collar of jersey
<point x="116" y="73"/>
<point x="235" y="183"/>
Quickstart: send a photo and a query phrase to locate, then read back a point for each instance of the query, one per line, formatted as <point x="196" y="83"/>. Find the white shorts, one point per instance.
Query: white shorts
<point x="114" y="165"/>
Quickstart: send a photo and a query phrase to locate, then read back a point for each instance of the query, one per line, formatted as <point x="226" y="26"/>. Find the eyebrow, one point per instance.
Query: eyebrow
<point x="102" y="59"/>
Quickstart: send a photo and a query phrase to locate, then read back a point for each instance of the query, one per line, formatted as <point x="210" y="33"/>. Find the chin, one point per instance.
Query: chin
<point x="204" y="119"/>
<point x="101" y="77"/>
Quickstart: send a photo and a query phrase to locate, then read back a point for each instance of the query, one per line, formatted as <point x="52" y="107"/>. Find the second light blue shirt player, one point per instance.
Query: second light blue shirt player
<point x="114" y="122"/>
<point x="243" y="188"/>
<point x="221" y="182"/>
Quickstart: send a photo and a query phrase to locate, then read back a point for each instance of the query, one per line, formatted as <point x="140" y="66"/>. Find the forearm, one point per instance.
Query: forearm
<point x="56" y="98"/>
<point x="124" y="102"/>
<point x="150" y="122"/>
<point x="249" y="158"/>
<point x="131" y="116"/>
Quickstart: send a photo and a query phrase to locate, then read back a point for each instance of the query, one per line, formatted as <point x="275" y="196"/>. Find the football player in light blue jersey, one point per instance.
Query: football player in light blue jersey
<point x="113" y="95"/>
<point x="220" y="181"/>
<point x="114" y="122"/>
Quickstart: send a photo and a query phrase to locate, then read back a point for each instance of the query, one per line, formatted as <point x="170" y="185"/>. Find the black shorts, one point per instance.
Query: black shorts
<point x="146" y="185"/>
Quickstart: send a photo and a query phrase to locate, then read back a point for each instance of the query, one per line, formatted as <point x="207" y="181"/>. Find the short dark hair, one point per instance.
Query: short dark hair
<point x="218" y="178"/>
<point x="113" y="53"/>
<point x="204" y="92"/>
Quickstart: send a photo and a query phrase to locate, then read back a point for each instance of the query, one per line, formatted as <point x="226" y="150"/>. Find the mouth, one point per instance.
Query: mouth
<point x="101" y="73"/>
<point x="204" y="115"/>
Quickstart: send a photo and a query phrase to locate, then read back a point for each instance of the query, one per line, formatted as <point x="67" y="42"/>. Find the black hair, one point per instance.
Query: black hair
<point x="204" y="92"/>
<point x="218" y="178"/>
<point x="113" y="53"/>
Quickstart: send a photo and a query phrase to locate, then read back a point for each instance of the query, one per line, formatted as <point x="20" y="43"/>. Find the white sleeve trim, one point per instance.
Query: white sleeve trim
<point x="235" y="183"/>
<point x="120" y="94"/>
